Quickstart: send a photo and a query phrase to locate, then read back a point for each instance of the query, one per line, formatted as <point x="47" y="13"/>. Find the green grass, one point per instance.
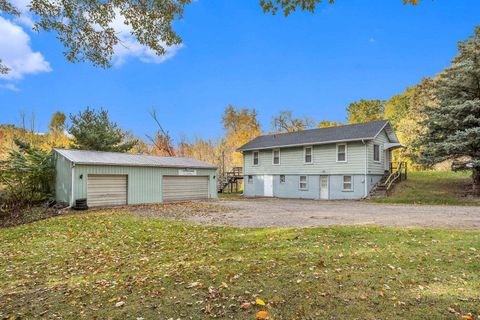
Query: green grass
<point x="82" y="265"/>
<point x="434" y="187"/>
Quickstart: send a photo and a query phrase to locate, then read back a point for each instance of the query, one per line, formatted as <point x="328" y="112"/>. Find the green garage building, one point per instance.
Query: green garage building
<point x="112" y="178"/>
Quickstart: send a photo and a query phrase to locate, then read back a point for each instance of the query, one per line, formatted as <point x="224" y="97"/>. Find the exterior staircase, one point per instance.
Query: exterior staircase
<point x="229" y="181"/>
<point x="382" y="188"/>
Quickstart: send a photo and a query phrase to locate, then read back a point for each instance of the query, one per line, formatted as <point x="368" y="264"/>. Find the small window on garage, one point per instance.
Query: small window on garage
<point x="255" y="158"/>
<point x="376" y="152"/>
<point x="303" y="183"/>
<point x="250" y="179"/>
<point x="282" y="178"/>
<point x="347" y="183"/>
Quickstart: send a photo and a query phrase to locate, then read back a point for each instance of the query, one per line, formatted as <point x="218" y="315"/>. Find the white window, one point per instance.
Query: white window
<point x="250" y="179"/>
<point x="376" y="152"/>
<point x="303" y="185"/>
<point x="308" y="154"/>
<point x="282" y="178"/>
<point x="347" y="183"/>
<point x="276" y="156"/>
<point x="342" y="152"/>
<point x="255" y="158"/>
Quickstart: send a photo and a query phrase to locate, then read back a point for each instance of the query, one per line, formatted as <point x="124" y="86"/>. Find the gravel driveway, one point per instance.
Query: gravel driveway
<point x="262" y="212"/>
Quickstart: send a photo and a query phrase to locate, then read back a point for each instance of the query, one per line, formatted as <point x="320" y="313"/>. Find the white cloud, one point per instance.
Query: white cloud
<point x="26" y="17"/>
<point x="16" y="53"/>
<point x="9" y="86"/>
<point x="371" y="40"/>
<point x="129" y="46"/>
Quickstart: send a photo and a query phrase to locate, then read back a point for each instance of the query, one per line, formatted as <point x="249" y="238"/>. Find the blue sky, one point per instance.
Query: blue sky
<point x="313" y="64"/>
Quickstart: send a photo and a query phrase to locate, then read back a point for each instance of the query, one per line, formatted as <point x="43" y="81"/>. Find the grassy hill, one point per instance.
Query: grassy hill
<point x="434" y="187"/>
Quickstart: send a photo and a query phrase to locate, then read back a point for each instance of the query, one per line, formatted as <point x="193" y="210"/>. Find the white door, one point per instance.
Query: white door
<point x="324" y="187"/>
<point x="182" y="188"/>
<point x="106" y="190"/>
<point x="268" y="186"/>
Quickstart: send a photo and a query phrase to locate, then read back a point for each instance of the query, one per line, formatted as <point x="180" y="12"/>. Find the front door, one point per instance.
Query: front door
<point x="268" y="186"/>
<point x="324" y="187"/>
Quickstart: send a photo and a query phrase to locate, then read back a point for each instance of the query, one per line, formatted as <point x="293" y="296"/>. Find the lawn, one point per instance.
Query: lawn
<point x="115" y="265"/>
<point x="434" y="187"/>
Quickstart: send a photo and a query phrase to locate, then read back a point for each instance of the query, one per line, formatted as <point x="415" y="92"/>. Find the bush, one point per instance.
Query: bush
<point x="27" y="176"/>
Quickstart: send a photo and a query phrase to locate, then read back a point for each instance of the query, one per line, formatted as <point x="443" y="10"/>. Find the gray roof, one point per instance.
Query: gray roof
<point x="351" y="132"/>
<point x="127" y="159"/>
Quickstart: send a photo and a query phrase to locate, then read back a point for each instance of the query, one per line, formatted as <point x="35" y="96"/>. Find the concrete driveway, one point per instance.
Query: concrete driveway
<point x="262" y="212"/>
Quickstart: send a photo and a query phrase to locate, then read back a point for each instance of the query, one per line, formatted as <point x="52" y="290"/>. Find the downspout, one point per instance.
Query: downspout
<point x="73" y="185"/>
<point x="366" y="169"/>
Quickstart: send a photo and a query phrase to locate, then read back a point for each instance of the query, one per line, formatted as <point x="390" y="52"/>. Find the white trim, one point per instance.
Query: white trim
<point x="379" y="155"/>
<point x="346" y="153"/>
<point x="305" y="154"/>
<point x="351" y="183"/>
<point x="300" y="182"/>
<point x="305" y="144"/>
<point x="73" y="185"/>
<point x="365" y="179"/>
<point x="273" y="157"/>
<point x="253" y="158"/>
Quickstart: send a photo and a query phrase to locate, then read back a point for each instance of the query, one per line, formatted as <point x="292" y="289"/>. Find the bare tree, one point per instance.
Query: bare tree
<point x="161" y="140"/>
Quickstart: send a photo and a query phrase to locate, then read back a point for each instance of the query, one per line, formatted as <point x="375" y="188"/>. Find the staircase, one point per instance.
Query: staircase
<point x="230" y="180"/>
<point x="397" y="173"/>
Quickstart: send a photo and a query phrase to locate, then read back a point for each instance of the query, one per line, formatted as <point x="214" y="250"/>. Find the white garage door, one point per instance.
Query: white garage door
<point x="176" y="188"/>
<point x="106" y="190"/>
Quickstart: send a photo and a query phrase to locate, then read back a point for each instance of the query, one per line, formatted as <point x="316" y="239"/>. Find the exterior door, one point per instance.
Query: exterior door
<point x="324" y="187"/>
<point x="182" y="188"/>
<point x="268" y="186"/>
<point x="106" y="190"/>
<point x="387" y="159"/>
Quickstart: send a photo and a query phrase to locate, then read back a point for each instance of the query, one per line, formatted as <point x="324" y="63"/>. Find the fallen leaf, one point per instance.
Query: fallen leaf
<point x="119" y="304"/>
<point x="260" y="302"/>
<point x="262" y="315"/>
<point x="245" y="305"/>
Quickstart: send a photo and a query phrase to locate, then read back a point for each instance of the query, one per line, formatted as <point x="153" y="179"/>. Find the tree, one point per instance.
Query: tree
<point x="453" y="127"/>
<point x="3" y="69"/>
<point x="327" y="124"/>
<point x="162" y="142"/>
<point x="288" y="6"/>
<point x="93" y="130"/>
<point x="57" y="123"/>
<point x="285" y="122"/>
<point x="365" y="110"/>
<point x="241" y="126"/>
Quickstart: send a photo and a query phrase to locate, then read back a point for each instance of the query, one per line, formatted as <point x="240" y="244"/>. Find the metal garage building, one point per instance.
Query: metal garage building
<point x="112" y="178"/>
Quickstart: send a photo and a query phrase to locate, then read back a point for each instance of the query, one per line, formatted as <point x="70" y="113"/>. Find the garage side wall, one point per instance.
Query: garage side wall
<point x="144" y="183"/>
<point x="63" y="179"/>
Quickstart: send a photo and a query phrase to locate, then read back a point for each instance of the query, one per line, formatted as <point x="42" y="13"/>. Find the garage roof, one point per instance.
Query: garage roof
<point x="127" y="159"/>
<point x="351" y="132"/>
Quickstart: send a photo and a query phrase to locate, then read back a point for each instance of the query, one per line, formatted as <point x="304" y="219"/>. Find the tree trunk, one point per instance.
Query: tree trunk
<point x="476" y="181"/>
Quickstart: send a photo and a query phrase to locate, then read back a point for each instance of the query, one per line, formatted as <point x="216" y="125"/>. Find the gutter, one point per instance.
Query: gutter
<point x="366" y="169"/>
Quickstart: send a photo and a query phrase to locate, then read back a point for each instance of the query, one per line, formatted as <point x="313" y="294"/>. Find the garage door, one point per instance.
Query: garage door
<point x="106" y="190"/>
<point x="176" y="188"/>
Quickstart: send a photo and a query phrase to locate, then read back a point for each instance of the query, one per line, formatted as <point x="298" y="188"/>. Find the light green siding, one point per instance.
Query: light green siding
<point x="144" y="183"/>
<point x="324" y="161"/>
<point x="63" y="179"/>
<point x="377" y="167"/>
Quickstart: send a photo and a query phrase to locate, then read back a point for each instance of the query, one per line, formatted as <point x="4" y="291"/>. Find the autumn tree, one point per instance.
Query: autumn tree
<point x="56" y="137"/>
<point x="365" y="110"/>
<point x="92" y="130"/>
<point x="327" y="124"/>
<point x="57" y="123"/>
<point x="286" y="122"/>
<point x="161" y="140"/>
<point x="241" y="126"/>
<point x="453" y="127"/>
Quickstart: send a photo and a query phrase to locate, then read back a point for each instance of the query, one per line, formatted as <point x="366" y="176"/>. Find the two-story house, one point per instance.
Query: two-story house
<point x="342" y="162"/>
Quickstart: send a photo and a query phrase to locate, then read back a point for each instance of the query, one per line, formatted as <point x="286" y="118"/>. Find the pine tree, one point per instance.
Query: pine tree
<point x="454" y="125"/>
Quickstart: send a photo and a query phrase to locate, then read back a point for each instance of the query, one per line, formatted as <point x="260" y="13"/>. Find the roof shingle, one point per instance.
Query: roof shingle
<point x="351" y="132"/>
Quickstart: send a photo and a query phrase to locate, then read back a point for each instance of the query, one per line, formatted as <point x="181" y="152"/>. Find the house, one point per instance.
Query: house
<point x="342" y="162"/>
<point x="112" y="178"/>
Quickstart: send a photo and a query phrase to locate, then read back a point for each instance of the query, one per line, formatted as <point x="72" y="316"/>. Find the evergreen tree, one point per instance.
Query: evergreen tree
<point x="93" y="130"/>
<point x="454" y="126"/>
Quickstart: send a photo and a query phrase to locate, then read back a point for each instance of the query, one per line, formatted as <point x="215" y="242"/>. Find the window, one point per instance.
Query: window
<point x="347" y="183"/>
<point x="255" y="158"/>
<point x="276" y="156"/>
<point x="282" y="178"/>
<point x="303" y="183"/>
<point x="308" y="154"/>
<point x="342" y="152"/>
<point x="376" y="153"/>
<point x="250" y="179"/>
